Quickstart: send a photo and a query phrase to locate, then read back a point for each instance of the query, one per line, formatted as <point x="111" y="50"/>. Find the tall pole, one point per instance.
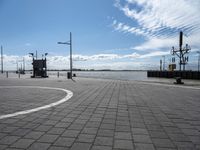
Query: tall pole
<point x="163" y="63"/>
<point x="198" y="60"/>
<point x="21" y="67"/>
<point x="17" y="66"/>
<point x="36" y="55"/>
<point x="23" y="64"/>
<point x="1" y="59"/>
<point x="180" y="47"/>
<point x="70" y="55"/>
<point x="69" y="43"/>
<point x="181" y="52"/>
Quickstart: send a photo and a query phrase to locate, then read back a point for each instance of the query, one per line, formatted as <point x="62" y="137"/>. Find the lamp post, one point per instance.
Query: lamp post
<point x="45" y="55"/>
<point x="1" y="59"/>
<point x="17" y="67"/>
<point x="163" y="63"/>
<point x="160" y="64"/>
<point x="198" y="60"/>
<point x="69" y="43"/>
<point x="24" y="64"/>
<point x="32" y="55"/>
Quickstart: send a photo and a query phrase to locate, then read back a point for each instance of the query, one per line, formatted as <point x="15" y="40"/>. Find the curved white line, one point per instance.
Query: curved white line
<point x="66" y="98"/>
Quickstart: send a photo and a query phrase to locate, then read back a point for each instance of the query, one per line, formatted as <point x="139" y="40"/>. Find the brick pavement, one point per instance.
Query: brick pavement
<point x="104" y="115"/>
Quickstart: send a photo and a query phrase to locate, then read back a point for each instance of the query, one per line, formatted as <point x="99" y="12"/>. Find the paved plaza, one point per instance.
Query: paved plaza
<point x="101" y="115"/>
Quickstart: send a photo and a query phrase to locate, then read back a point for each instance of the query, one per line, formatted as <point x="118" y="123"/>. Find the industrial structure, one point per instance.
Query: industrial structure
<point x="181" y="53"/>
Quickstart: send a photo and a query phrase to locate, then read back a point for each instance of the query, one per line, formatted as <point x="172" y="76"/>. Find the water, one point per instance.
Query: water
<point x="117" y="75"/>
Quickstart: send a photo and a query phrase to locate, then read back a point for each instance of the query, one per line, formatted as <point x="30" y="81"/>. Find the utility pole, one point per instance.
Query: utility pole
<point x="24" y="64"/>
<point x="21" y="68"/>
<point x="180" y="47"/>
<point x="198" y="60"/>
<point x="163" y="63"/>
<point x="160" y="64"/>
<point x="1" y="59"/>
<point x="181" y="52"/>
<point x="71" y="55"/>
<point x="36" y="55"/>
<point x="17" y="66"/>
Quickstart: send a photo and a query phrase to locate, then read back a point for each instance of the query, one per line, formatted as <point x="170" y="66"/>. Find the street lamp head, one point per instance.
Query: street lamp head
<point x="46" y="54"/>
<point x="31" y="54"/>
<point x="68" y="43"/>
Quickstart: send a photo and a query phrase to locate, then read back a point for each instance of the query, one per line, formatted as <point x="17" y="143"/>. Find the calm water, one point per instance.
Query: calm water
<point x="119" y="75"/>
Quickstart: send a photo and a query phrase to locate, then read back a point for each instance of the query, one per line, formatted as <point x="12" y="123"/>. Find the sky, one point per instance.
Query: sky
<point x="106" y="34"/>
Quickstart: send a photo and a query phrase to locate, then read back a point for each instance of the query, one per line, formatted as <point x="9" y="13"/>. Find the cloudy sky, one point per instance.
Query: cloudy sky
<point x="107" y="34"/>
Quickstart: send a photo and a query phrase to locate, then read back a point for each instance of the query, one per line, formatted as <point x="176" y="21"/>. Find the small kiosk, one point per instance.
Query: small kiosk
<point x="39" y="67"/>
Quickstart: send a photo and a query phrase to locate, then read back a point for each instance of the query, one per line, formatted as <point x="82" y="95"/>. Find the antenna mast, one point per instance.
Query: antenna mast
<point x="181" y="52"/>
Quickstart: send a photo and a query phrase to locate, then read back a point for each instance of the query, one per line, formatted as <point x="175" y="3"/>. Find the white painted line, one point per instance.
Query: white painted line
<point x="66" y="98"/>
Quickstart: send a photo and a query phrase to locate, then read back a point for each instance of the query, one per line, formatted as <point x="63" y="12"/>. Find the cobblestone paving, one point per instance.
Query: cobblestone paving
<point x="21" y="98"/>
<point x="106" y="115"/>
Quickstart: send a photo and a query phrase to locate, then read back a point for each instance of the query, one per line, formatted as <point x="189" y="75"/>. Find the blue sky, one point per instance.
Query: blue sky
<point x="107" y="34"/>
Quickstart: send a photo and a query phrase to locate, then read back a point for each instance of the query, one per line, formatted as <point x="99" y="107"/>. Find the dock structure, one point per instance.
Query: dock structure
<point x="194" y="75"/>
<point x="102" y="114"/>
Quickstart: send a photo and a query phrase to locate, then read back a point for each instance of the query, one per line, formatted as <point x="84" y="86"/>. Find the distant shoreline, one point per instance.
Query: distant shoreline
<point x="87" y="70"/>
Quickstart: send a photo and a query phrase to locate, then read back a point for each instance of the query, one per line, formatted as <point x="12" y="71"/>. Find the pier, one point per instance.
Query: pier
<point x="101" y="115"/>
<point x="194" y="75"/>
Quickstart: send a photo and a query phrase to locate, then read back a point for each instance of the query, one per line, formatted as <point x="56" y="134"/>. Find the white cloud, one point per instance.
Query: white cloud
<point x="28" y="44"/>
<point x="130" y="65"/>
<point x="132" y="56"/>
<point x="160" y="21"/>
<point x="121" y="27"/>
<point x="155" y="44"/>
<point x="156" y="15"/>
<point x="153" y="54"/>
<point x="82" y="61"/>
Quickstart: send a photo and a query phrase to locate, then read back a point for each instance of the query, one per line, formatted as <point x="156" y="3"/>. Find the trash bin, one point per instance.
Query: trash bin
<point x="68" y="75"/>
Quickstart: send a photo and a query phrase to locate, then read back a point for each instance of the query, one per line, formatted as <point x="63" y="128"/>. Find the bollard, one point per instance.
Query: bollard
<point x="178" y="80"/>
<point x="69" y="75"/>
<point x="7" y="74"/>
<point x="18" y="75"/>
<point x="58" y="74"/>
